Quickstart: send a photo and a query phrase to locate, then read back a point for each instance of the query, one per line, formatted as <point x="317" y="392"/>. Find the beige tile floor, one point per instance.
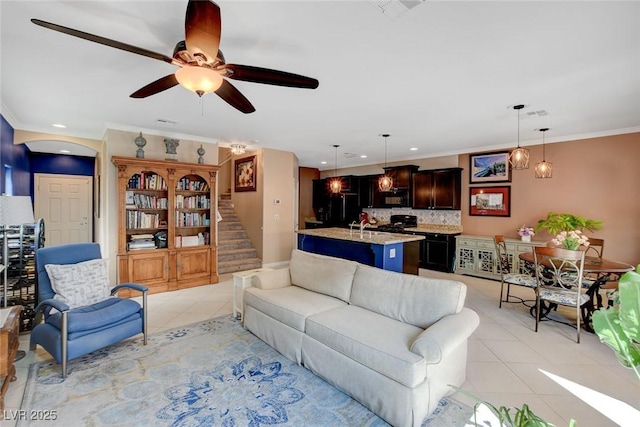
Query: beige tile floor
<point x="505" y="354"/>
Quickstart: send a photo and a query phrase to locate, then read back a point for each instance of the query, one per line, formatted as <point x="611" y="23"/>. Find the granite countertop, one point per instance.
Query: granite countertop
<point x="430" y="228"/>
<point x="369" y="235"/>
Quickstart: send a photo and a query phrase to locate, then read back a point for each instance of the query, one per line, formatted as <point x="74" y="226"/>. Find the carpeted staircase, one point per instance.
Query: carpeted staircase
<point x="235" y="251"/>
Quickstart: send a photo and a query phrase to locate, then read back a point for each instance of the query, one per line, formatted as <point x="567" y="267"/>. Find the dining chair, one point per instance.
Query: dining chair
<point x="595" y="248"/>
<point x="608" y="281"/>
<point x="506" y="276"/>
<point x="566" y="268"/>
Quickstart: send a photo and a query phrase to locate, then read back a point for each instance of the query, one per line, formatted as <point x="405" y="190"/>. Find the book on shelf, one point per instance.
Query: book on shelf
<point x="144" y="236"/>
<point x="142" y="241"/>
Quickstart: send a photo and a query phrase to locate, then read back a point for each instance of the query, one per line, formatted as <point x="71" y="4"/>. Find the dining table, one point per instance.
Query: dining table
<point x="601" y="269"/>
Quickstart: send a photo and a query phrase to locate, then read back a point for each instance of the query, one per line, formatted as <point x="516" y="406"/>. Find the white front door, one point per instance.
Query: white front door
<point x="64" y="202"/>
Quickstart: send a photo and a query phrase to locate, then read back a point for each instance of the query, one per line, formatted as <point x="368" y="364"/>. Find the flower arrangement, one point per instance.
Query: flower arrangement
<point x="526" y="231"/>
<point x="571" y="239"/>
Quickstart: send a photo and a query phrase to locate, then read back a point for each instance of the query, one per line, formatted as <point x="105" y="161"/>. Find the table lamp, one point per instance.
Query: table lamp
<point x="14" y="210"/>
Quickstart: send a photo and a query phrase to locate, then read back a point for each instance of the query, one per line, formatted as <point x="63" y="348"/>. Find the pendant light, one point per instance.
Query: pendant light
<point x="335" y="184"/>
<point x="544" y="169"/>
<point x="385" y="182"/>
<point x="519" y="158"/>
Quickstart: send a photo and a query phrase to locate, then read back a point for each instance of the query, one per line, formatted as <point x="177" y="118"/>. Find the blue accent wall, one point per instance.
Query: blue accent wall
<point x="24" y="163"/>
<point x="16" y="156"/>
<point x="61" y="164"/>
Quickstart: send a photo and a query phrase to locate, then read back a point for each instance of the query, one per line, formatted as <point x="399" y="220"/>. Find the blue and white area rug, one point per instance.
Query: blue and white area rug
<point x="211" y="373"/>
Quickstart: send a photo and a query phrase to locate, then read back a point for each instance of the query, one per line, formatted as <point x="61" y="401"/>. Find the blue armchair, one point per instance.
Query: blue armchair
<point x="70" y="332"/>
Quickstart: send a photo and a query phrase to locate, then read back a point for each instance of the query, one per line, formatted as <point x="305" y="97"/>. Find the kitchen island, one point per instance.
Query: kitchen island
<point x="389" y="251"/>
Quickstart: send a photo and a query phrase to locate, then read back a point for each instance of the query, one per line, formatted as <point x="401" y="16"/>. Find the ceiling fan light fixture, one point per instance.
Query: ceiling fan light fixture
<point x="544" y="169"/>
<point x="385" y="182"/>
<point x="519" y="158"/>
<point x="199" y="80"/>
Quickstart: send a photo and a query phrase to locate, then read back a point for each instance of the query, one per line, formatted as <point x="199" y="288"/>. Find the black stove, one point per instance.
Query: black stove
<point x="398" y="223"/>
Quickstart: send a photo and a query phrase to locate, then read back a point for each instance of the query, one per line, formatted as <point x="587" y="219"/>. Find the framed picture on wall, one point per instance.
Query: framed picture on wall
<point x="489" y="167"/>
<point x="245" y="172"/>
<point x="490" y="201"/>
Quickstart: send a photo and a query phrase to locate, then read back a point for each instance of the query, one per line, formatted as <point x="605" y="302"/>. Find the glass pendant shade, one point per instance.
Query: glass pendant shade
<point x="544" y="169"/>
<point x="385" y="182"/>
<point x="335" y="185"/>
<point x="519" y="158"/>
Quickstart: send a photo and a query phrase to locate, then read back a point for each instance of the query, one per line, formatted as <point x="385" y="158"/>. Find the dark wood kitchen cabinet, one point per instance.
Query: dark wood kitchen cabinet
<point x="401" y="175"/>
<point x="400" y="195"/>
<point x="365" y="190"/>
<point x="437" y="251"/>
<point x="437" y="189"/>
<point x="320" y="194"/>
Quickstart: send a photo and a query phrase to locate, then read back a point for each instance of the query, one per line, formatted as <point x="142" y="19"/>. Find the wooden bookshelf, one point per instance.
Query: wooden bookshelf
<point x="166" y="223"/>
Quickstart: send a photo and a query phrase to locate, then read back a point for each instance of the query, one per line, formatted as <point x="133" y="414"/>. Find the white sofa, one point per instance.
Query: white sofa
<point x="394" y="342"/>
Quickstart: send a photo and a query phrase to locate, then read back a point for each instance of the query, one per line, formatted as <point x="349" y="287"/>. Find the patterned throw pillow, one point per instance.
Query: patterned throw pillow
<point x="80" y="284"/>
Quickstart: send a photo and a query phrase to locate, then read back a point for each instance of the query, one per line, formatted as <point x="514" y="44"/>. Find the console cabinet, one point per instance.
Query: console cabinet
<point x="476" y="255"/>
<point x="166" y="223"/>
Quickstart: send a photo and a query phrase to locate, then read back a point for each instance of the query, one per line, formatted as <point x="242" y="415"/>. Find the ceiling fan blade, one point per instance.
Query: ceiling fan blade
<point x="233" y="97"/>
<point x="164" y="83"/>
<point x="268" y="76"/>
<point x="103" y="40"/>
<point x="202" y="29"/>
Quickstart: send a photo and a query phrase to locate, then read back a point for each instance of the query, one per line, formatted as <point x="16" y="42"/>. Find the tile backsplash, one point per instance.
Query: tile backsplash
<point x="425" y="216"/>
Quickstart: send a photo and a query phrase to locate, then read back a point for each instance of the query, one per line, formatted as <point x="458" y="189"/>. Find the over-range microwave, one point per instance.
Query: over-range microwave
<point x="396" y="199"/>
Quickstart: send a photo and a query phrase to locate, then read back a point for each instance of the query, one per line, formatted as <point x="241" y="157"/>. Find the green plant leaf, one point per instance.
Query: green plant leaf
<point x="554" y="223"/>
<point x="607" y="325"/>
<point x="523" y="417"/>
<point x="629" y="290"/>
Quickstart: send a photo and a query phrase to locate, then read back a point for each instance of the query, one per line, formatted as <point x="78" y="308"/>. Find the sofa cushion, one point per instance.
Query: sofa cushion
<point x="418" y="301"/>
<point x="290" y="305"/>
<point x="322" y="274"/>
<point x="378" y="342"/>
<point x="272" y="279"/>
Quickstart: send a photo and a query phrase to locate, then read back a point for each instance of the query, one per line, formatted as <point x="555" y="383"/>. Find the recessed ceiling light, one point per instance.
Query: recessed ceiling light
<point x="65" y="151"/>
<point x="363" y="156"/>
<point x="323" y="162"/>
<point x="58" y="125"/>
<point x="413" y="148"/>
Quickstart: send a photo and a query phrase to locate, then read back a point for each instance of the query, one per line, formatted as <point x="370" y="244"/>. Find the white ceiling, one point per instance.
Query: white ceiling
<point x="440" y="77"/>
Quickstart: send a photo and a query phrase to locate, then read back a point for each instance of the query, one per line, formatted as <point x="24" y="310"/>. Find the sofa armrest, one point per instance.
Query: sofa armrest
<point x="439" y="339"/>
<point x="272" y="279"/>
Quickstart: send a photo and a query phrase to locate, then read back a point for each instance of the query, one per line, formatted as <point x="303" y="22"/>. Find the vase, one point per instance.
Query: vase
<point x="525" y="238"/>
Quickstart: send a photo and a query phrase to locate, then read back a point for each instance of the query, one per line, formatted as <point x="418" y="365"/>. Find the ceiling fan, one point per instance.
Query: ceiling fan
<point x="202" y="67"/>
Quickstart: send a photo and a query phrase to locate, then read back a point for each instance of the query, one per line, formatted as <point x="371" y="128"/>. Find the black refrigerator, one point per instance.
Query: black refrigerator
<point x="341" y="210"/>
